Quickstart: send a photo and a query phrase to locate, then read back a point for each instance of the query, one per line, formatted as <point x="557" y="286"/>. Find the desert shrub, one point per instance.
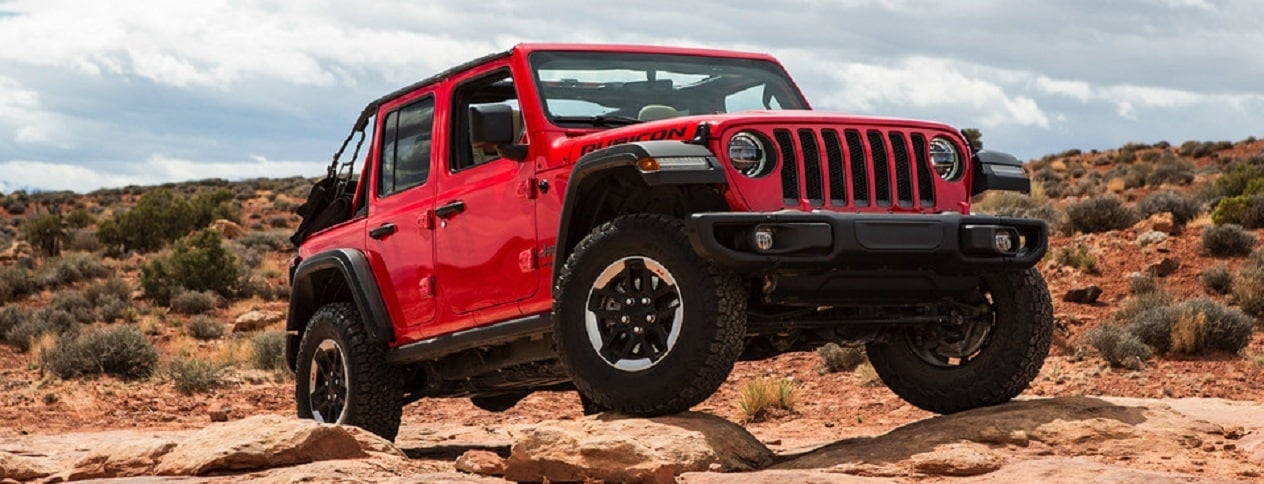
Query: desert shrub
<point x="200" y="263"/>
<point x="75" y="303"/>
<point x="274" y="241"/>
<point x="112" y="288"/>
<point x="1235" y="180"/>
<point x="160" y="216"/>
<point x="46" y="233"/>
<point x="15" y="283"/>
<point x="1118" y="346"/>
<point x="10" y="317"/>
<point x="268" y="350"/>
<point x="212" y="205"/>
<point x="1248" y="289"/>
<point x="193" y="302"/>
<point x="194" y="375"/>
<point x="121" y="351"/>
<point x="1228" y="240"/>
<point x="757" y="397"/>
<point x="79" y="218"/>
<point x="1100" y="214"/>
<point x="255" y="285"/>
<point x="1198" y="149"/>
<point x="835" y="358"/>
<point x="1196" y="326"/>
<point x="1014" y="204"/>
<point x="14" y="206"/>
<point x="44" y="321"/>
<point x="279" y="222"/>
<point x="1182" y="207"/>
<point x="1171" y="170"/>
<point x="1077" y="256"/>
<point x="204" y="328"/>
<point x="1139" y="283"/>
<point x="974" y="137"/>
<point x="1244" y="210"/>
<point x="1141" y="302"/>
<point x="70" y="269"/>
<point x="81" y="240"/>
<point x="111" y="309"/>
<point x="1217" y="279"/>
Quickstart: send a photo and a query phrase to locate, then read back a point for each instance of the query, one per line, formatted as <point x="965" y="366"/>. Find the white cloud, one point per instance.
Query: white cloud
<point x="1079" y="90"/>
<point x="158" y="169"/>
<point x="22" y="117"/>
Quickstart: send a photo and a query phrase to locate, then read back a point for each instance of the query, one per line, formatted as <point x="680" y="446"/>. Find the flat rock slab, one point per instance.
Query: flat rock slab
<point x="613" y="447"/>
<point x="268" y="441"/>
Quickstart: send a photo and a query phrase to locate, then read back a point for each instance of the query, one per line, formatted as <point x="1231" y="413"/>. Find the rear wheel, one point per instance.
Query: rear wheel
<point x="988" y="359"/>
<point x="643" y="324"/>
<point x="343" y="378"/>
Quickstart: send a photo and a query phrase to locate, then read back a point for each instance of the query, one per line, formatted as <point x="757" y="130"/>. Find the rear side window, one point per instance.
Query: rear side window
<point x="405" y="155"/>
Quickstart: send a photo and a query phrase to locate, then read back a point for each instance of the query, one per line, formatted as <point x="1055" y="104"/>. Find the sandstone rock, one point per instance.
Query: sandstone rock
<point x="612" y="447"/>
<point x="256" y="320"/>
<point x="962" y="459"/>
<point x="21" y="468"/>
<point x="219" y="414"/>
<point x="268" y="441"/>
<point x="123" y="458"/>
<point x="228" y="228"/>
<point x="1160" y="222"/>
<point x="1084" y="295"/>
<point x="1080" y="470"/>
<point x="481" y="462"/>
<point x="775" y="477"/>
<point x="1163" y="268"/>
<point x="19" y="250"/>
<point x="1150" y="238"/>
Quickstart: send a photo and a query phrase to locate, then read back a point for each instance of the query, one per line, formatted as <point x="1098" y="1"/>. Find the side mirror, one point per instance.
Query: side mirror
<point x="494" y="124"/>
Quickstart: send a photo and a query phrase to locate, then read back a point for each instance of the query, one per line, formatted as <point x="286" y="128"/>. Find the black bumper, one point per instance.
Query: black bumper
<point x="819" y="242"/>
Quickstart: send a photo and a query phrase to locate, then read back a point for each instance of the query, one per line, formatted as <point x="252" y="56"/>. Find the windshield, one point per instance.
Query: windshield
<point x="614" y="89"/>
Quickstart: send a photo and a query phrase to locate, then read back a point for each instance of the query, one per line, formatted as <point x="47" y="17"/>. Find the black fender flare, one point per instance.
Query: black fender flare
<point x="994" y="170"/>
<point x="353" y="267"/>
<point x="627" y="155"/>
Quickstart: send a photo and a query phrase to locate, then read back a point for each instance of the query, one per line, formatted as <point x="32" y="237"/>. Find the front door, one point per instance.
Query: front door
<point x="485" y="238"/>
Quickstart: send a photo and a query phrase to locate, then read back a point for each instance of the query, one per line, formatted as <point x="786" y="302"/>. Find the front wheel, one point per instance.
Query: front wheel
<point x="643" y="324"/>
<point x="342" y="378"/>
<point x="988" y="359"/>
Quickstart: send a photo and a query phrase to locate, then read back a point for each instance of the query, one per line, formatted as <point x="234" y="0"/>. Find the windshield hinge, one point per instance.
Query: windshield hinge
<point x="701" y="135"/>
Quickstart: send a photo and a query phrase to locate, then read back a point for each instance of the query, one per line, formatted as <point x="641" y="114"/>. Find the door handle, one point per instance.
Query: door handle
<point x="382" y="231"/>
<point x="450" y="209"/>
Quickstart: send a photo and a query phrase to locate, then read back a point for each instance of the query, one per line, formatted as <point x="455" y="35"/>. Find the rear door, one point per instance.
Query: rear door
<point x="400" y="235"/>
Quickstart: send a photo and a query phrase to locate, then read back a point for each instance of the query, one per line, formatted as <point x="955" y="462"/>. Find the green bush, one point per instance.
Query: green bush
<point x="1141" y="302"/>
<point x="1217" y="279"/>
<point x="198" y="264"/>
<point x="194" y="375"/>
<point x="1248" y="290"/>
<point x="46" y="233"/>
<point x="109" y="289"/>
<point x="1077" y="256"/>
<point x="1182" y="207"/>
<point x="269" y="350"/>
<point x="15" y="283"/>
<point x="1244" y="210"/>
<point x="1139" y="283"/>
<point x="1117" y="346"/>
<point x="120" y="351"/>
<point x="1197" y="326"/>
<point x="160" y="216"/>
<point x="193" y="302"/>
<point x="1228" y="240"/>
<point x="204" y="328"/>
<point x="1234" y="181"/>
<point x="1100" y="214"/>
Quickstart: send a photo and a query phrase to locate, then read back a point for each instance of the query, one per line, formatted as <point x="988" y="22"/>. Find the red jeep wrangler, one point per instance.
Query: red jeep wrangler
<point x="630" y="221"/>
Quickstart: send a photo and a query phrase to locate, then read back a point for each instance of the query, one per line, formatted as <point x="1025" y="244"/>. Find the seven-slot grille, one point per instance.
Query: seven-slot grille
<point x="854" y="167"/>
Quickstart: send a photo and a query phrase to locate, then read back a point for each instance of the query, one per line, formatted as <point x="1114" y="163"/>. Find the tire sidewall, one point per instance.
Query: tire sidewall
<point x="609" y="386"/>
<point x="321" y="329"/>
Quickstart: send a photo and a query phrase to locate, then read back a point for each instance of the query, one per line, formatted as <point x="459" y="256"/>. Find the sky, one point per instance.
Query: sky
<point x="106" y="94"/>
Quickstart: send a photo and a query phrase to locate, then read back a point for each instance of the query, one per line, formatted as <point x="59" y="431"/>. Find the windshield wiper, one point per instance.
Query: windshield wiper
<point x="598" y="120"/>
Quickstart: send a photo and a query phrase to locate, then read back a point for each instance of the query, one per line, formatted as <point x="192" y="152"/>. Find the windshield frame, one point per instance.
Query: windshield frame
<point x="793" y="97"/>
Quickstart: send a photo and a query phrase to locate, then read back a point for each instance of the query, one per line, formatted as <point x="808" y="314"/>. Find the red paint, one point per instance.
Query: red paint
<point x="493" y="261"/>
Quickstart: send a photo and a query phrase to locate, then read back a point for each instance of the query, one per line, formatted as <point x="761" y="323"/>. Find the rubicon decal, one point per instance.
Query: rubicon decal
<point x="681" y="132"/>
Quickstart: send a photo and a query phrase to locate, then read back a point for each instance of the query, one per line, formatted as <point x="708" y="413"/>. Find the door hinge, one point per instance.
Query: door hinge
<point x="527" y="189"/>
<point x="426" y="286"/>
<point x="426" y="220"/>
<point x="527" y="260"/>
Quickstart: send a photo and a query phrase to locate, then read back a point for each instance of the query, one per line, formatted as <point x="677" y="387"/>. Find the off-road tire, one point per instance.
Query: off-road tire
<point x="1005" y="365"/>
<point x="711" y="331"/>
<point x="374" y="400"/>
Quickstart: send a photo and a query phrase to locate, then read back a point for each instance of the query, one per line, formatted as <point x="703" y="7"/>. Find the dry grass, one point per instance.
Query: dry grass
<point x="867" y="375"/>
<point x="1188" y="333"/>
<point x="758" y="397"/>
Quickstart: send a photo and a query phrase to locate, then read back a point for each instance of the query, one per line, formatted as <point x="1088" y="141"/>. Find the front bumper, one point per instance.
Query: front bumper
<point x="820" y="242"/>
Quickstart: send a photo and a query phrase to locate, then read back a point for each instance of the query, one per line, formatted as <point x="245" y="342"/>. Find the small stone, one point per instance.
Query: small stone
<point x="1085" y="295"/>
<point x="1150" y="238"/>
<point x="957" y="460"/>
<point x="219" y="415"/>
<point x="773" y="442"/>
<point x="715" y="467"/>
<point x="256" y="320"/>
<point x="1163" y="268"/>
<point x="481" y="462"/>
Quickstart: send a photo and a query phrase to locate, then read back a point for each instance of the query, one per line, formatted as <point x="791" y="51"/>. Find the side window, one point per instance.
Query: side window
<point x="405" y="154"/>
<point x="496" y="88"/>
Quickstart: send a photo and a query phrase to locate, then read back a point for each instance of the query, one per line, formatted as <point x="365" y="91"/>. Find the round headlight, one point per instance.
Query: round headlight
<point x="748" y="154"/>
<point x="945" y="158"/>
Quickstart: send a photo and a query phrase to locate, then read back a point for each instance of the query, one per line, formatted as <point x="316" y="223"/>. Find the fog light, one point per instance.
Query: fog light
<point x="763" y="239"/>
<point x="1003" y="242"/>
